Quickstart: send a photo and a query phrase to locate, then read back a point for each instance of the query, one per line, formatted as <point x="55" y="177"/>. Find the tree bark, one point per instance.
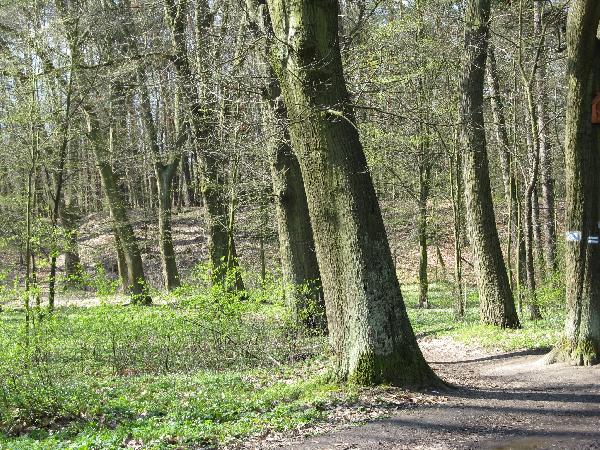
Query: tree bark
<point x="582" y="153"/>
<point x="136" y="281"/>
<point x="372" y="339"/>
<point x="212" y="181"/>
<point x="424" y="181"/>
<point x="296" y="244"/>
<point x="299" y="264"/>
<point x="495" y="295"/>
<point x="547" y="183"/>
<point x="508" y="177"/>
<point x="69" y="218"/>
<point x="456" y="191"/>
<point x="164" y="173"/>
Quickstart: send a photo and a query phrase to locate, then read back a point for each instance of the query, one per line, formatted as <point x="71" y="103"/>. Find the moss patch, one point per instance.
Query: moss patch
<point x="582" y="353"/>
<point x="396" y="369"/>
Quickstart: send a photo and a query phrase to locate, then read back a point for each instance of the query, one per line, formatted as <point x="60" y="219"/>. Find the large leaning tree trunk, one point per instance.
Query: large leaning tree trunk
<point x="221" y="249"/>
<point x="371" y="336"/>
<point x="299" y="265"/>
<point x="495" y="295"/>
<point x="582" y="154"/>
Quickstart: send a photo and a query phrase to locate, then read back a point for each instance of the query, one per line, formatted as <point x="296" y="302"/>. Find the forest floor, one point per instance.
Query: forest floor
<point x="501" y="400"/>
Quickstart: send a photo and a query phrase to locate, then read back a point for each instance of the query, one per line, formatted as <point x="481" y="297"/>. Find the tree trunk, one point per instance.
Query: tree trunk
<point x="424" y="176"/>
<point x="164" y="183"/>
<point x="121" y="261"/>
<point x="212" y="180"/>
<point x="299" y="264"/>
<point x="372" y="339"/>
<point x="582" y="153"/>
<point x="456" y="190"/>
<point x="164" y="173"/>
<point x="495" y="295"/>
<point x="296" y="244"/>
<point x="69" y="218"/>
<point x="547" y="217"/>
<point x="136" y="281"/>
<point x="508" y="177"/>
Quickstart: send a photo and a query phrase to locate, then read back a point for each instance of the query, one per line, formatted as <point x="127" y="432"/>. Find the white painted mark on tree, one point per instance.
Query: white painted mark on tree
<point x="594" y="240"/>
<point x="573" y="236"/>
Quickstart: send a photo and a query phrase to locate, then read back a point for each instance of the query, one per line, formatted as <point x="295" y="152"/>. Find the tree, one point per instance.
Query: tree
<point x="102" y="146"/>
<point x="223" y="256"/>
<point x="546" y="175"/>
<point x="495" y="295"/>
<point x="371" y="336"/>
<point x="299" y="265"/>
<point x="582" y="160"/>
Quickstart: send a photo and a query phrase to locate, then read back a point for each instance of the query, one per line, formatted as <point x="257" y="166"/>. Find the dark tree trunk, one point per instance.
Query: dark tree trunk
<point x="582" y="153"/>
<point x="371" y="335"/>
<point x="496" y="300"/>
<point x="296" y="244"/>
<point x="424" y="179"/>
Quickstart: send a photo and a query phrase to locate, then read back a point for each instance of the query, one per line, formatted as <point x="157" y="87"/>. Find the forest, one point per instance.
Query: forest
<point x="304" y="224"/>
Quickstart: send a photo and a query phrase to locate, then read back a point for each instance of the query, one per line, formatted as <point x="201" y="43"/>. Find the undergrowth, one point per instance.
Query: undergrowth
<point x="205" y="368"/>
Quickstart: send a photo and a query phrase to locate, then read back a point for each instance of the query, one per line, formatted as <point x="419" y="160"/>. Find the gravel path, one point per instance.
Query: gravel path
<point x="503" y="401"/>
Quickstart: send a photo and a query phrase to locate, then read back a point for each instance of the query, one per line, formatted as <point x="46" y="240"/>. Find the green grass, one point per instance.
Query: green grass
<point x="170" y="411"/>
<point x="210" y="368"/>
<point x="200" y="373"/>
<point x="438" y="320"/>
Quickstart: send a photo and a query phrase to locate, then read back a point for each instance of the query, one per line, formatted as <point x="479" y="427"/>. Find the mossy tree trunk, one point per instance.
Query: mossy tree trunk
<point x="296" y="244"/>
<point x="495" y="294"/>
<point x="371" y="336"/>
<point x="582" y="153"/>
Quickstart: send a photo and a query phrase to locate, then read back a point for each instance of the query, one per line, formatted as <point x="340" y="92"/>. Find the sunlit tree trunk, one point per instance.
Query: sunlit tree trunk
<point x="548" y="234"/>
<point x="495" y="295"/>
<point x="164" y="173"/>
<point x="214" y="196"/>
<point x="371" y="336"/>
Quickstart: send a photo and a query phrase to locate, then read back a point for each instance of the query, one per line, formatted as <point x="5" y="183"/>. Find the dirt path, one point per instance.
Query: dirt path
<point x="505" y="401"/>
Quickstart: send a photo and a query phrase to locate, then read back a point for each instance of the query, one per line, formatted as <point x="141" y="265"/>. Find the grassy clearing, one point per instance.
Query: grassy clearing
<point x="204" y="370"/>
<point x="438" y="320"/>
